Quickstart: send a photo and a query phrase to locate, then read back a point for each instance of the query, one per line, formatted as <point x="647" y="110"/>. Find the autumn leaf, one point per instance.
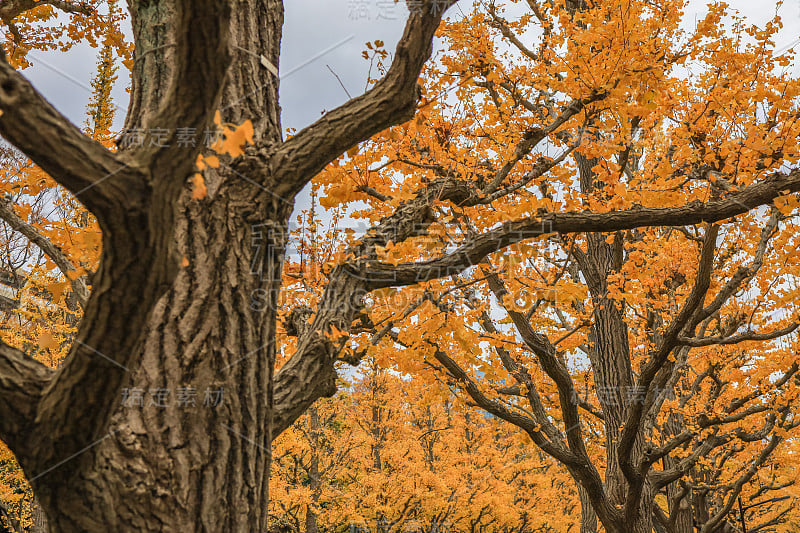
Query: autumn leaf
<point x="205" y="161"/>
<point x="47" y="341"/>
<point x="199" y="190"/>
<point x="334" y="333"/>
<point x="235" y="139"/>
<point x="75" y="274"/>
<point x="58" y="289"/>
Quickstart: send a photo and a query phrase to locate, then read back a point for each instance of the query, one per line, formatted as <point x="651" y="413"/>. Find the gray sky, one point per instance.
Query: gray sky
<point x="319" y="34"/>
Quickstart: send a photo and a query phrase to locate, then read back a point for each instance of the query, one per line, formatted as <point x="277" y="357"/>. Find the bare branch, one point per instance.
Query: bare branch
<point x="52" y="251"/>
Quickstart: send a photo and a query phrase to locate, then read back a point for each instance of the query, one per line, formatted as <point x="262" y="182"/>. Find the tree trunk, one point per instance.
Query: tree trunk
<point x="680" y="504"/>
<point x="162" y="416"/>
<point x="313" y="471"/>
<point x="190" y="439"/>
<point x="188" y="447"/>
<point x="39" y="518"/>
<point x="588" y="516"/>
<point x="609" y="353"/>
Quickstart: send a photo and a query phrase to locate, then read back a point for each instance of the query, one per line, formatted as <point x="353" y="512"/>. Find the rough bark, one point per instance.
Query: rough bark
<point x="588" y="515"/>
<point x="609" y="352"/>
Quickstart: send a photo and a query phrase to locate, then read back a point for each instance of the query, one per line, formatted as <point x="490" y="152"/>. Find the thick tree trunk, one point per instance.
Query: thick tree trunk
<point x="188" y="449"/>
<point x="162" y="416"/>
<point x="588" y="515"/>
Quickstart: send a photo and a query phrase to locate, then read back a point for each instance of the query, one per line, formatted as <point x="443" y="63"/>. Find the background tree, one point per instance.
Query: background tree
<point x="397" y="455"/>
<point x="397" y="450"/>
<point x="55" y="25"/>
<point x="677" y="341"/>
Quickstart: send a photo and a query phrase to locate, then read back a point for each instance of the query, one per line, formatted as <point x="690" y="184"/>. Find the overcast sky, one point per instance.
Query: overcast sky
<point x="320" y="36"/>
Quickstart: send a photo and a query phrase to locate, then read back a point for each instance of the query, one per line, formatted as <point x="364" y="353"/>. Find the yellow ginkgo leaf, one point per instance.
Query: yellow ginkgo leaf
<point x="199" y="190"/>
<point x="236" y="138"/>
<point x="75" y="274"/>
<point x="58" y="289"/>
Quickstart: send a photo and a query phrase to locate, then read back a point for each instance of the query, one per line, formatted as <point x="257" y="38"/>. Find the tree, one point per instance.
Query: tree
<point x="392" y="454"/>
<point x="310" y="483"/>
<point x="54" y="25"/>
<point x="185" y="299"/>
<point x="101" y="108"/>
<point x="678" y="341"/>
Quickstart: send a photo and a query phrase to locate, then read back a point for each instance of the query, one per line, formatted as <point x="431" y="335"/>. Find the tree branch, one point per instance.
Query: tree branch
<point x="746" y="476"/>
<point x="541" y="346"/>
<point x="391" y="101"/>
<point x="583" y="471"/>
<point x="11" y="9"/>
<point x="473" y="251"/>
<point x="309" y="373"/>
<point x="200" y="64"/>
<point x="631" y="430"/>
<point x="98" y="178"/>
<point x="743" y="274"/>
<point x="52" y="251"/>
<point x="22" y="382"/>
<point x="735" y="339"/>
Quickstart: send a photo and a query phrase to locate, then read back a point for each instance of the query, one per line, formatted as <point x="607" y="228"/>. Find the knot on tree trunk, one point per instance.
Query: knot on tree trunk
<point x="297" y="323"/>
